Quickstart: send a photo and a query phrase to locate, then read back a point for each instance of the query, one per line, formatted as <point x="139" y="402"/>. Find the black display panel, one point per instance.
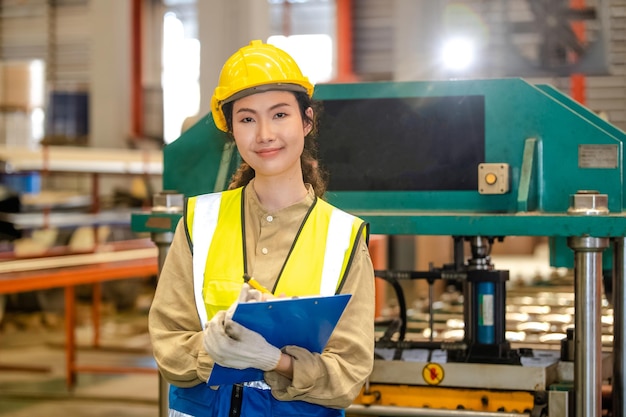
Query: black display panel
<point x="403" y="144"/>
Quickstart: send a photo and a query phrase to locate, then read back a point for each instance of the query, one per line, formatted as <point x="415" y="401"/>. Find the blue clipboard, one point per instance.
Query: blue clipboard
<point x="307" y="322"/>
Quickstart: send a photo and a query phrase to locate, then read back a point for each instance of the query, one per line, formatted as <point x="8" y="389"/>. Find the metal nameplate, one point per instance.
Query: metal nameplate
<point x="597" y="156"/>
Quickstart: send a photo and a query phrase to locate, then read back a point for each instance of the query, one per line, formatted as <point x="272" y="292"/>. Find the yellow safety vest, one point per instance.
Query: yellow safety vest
<point x="317" y="263"/>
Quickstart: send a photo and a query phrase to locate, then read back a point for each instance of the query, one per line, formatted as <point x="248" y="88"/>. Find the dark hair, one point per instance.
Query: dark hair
<point x="312" y="173"/>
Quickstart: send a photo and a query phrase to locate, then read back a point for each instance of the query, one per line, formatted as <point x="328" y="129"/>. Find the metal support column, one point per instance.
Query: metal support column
<point x="619" y="329"/>
<point x="588" y="333"/>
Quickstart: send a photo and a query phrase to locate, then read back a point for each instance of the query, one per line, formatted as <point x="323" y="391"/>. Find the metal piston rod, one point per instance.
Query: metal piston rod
<point x="587" y="335"/>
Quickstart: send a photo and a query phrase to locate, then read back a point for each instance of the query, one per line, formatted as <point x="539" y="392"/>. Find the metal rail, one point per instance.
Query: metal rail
<point x="379" y="410"/>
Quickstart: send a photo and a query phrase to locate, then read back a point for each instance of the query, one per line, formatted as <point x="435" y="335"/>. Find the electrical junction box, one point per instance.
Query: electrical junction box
<point x="493" y="178"/>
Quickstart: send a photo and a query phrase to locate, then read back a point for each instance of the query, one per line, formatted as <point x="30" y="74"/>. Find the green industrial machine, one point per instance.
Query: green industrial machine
<point x="475" y="159"/>
<point x="551" y="146"/>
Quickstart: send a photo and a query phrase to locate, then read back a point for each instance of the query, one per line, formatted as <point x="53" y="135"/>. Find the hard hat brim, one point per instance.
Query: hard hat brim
<point x="262" y="89"/>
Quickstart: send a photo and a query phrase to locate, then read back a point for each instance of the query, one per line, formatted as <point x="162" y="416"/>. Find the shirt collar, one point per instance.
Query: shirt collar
<point x="303" y="205"/>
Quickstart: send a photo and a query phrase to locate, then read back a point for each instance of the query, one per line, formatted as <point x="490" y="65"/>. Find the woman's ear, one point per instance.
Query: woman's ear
<point x="308" y="125"/>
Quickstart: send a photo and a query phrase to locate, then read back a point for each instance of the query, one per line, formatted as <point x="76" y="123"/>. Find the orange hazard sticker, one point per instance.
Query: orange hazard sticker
<point x="432" y="374"/>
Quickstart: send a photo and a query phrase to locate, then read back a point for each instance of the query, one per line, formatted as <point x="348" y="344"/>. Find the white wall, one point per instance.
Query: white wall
<point x="110" y="83"/>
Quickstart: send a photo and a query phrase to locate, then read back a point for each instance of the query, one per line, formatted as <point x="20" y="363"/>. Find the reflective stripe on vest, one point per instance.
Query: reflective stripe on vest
<point x="337" y="243"/>
<point x="208" y="206"/>
<point x="206" y="215"/>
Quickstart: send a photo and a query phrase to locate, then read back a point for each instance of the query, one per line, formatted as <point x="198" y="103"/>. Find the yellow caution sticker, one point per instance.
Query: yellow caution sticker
<point x="433" y="374"/>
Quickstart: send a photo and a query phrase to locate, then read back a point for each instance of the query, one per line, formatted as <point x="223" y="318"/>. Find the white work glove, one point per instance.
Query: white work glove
<point x="234" y="346"/>
<point x="246" y="295"/>
<point x="249" y="294"/>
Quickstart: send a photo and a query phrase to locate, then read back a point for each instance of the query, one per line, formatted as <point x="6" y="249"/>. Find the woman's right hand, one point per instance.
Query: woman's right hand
<point x="234" y="346"/>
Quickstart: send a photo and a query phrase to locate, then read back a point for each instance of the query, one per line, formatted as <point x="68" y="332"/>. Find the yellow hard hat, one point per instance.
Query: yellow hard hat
<point x="252" y="69"/>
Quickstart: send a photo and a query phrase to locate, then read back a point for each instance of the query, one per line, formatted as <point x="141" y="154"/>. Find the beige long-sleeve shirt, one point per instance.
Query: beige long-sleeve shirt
<point x="332" y="379"/>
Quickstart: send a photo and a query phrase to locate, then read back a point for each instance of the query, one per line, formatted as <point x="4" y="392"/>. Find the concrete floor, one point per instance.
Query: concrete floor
<point x="32" y="366"/>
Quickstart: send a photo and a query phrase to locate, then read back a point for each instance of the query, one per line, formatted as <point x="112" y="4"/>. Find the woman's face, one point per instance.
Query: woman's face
<point x="269" y="133"/>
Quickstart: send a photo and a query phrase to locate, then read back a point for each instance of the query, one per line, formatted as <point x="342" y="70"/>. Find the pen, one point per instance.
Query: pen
<point x="255" y="284"/>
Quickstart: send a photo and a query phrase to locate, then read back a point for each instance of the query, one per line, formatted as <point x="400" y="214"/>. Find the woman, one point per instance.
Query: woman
<point x="273" y="225"/>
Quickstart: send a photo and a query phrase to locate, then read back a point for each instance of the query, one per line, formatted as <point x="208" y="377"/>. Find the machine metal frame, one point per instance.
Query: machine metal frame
<point x="563" y="170"/>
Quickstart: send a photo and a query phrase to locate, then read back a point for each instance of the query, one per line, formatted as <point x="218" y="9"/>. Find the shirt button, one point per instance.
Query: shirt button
<point x="269" y="218"/>
<point x="264" y="251"/>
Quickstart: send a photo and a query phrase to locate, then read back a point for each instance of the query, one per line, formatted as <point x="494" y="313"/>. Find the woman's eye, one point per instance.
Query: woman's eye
<point x="280" y="115"/>
<point x="246" y="120"/>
